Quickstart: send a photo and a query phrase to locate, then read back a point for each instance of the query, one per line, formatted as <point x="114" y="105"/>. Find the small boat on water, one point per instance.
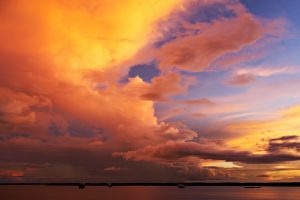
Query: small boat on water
<point x="252" y="187"/>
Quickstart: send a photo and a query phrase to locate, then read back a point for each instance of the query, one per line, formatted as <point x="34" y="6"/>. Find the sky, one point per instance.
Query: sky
<point x="133" y="90"/>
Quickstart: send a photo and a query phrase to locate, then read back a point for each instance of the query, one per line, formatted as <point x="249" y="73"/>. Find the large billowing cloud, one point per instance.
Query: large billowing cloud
<point x="66" y="111"/>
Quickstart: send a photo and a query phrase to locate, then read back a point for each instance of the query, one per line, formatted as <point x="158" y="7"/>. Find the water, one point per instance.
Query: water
<point x="147" y="193"/>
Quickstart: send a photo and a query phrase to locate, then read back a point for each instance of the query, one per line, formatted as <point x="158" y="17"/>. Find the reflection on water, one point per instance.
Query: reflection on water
<point x="147" y="193"/>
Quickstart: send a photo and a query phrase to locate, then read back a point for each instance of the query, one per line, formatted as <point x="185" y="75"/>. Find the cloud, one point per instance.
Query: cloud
<point x="167" y="85"/>
<point x="64" y="110"/>
<point x="285" y="138"/>
<point x="196" y="173"/>
<point x="285" y="121"/>
<point x="173" y="151"/>
<point x="241" y="79"/>
<point x="202" y="101"/>
<point x="291" y="175"/>
<point x="49" y="102"/>
<point x="215" y="40"/>
<point x="222" y="36"/>
<point x="266" y="71"/>
<point x="198" y="115"/>
<point x="286" y="143"/>
<point x="263" y="176"/>
<point x="245" y="75"/>
<point x="71" y="33"/>
<point x="246" y="55"/>
<point x="18" y="107"/>
<point x="175" y="132"/>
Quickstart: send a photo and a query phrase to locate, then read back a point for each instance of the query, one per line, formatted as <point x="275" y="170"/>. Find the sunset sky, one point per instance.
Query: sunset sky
<point x="149" y="90"/>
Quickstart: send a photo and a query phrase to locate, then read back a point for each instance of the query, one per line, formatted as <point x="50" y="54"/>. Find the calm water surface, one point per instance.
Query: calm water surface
<point x="147" y="193"/>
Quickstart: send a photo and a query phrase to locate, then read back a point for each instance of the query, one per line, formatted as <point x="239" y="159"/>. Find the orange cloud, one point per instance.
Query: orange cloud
<point x="81" y="35"/>
<point x="16" y="107"/>
<point x="59" y="42"/>
<point x="167" y="85"/>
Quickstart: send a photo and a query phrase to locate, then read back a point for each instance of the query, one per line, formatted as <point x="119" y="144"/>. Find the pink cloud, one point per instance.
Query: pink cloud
<point x="242" y="76"/>
<point x="241" y="79"/>
<point x="196" y="52"/>
<point x="202" y="101"/>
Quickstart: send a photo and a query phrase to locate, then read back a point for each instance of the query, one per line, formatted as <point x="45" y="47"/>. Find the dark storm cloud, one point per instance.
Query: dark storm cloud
<point x="172" y="151"/>
<point x="289" y="142"/>
<point x="285" y="138"/>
